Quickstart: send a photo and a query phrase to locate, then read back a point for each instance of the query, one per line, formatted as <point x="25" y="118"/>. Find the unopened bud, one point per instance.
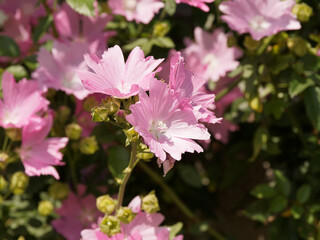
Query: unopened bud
<point x="14" y="134"/>
<point x="3" y="158"/>
<point x="110" y="225"/>
<point x="111" y="107"/>
<point x="131" y="134"/>
<point x="298" y="46"/>
<point x="19" y="182"/>
<point x="45" y="208"/>
<point x="144" y="152"/>
<point x="161" y="29"/>
<point x="3" y="183"/>
<point x="302" y="11"/>
<point x="73" y="131"/>
<point x="63" y="114"/>
<point x="89" y="145"/>
<point x="99" y="114"/>
<point x="89" y="103"/>
<point x="150" y="203"/>
<point x="125" y="215"/>
<point x="58" y="190"/>
<point x="106" y="204"/>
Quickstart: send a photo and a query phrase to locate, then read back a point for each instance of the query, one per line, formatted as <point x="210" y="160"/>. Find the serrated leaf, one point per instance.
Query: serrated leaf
<point x="170" y="7"/>
<point x="189" y="175"/>
<point x="278" y="204"/>
<point x="312" y="103"/>
<point x="164" y="42"/>
<point x="304" y="193"/>
<point x="263" y="191"/>
<point x="41" y="28"/>
<point x="84" y="7"/>
<point x="283" y="185"/>
<point x="8" y="47"/>
<point x="118" y="160"/>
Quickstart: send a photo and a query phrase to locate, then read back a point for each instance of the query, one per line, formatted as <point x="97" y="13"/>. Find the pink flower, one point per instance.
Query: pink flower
<point x="77" y="212"/>
<point x="210" y="57"/>
<point x="138" y="10"/>
<point x="37" y="153"/>
<point x="197" y="3"/>
<point x="260" y="18"/>
<point x="111" y="75"/>
<point x="58" y="69"/>
<point x="165" y="127"/>
<point x="20" y="101"/>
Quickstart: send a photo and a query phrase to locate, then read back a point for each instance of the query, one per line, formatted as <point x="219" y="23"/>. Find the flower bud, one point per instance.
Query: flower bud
<point x="125" y="215"/>
<point x="89" y="103"/>
<point x="99" y="114"/>
<point x="19" y="182"/>
<point x="144" y="152"/>
<point x="161" y="29"/>
<point x="110" y="225"/>
<point x="58" y="190"/>
<point x="3" y="183"/>
<point x="14" y="134"/>
<point x="106" y="204"/>
<point x="63" y="114"/>
<point x="131" y="134"/>
<point x="111" y="107"/>
<point x="73" y="131"/>
<point x="45" y="208"/>
<point x="3" y="158"/>
<point x="150" y="203"/>
<point x="298" y="46"/>
<point x="89" y="145"/>
<point x="302" y="11"/>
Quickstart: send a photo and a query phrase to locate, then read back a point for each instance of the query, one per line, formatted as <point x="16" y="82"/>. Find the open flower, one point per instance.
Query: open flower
<point x="164" y="127"/>
<point x="260" y="18"/>
<point x="38" y="153"/>
<point x="197" y="3"/>
<point x="112" y="76"/>
<point x="20" y="101"/>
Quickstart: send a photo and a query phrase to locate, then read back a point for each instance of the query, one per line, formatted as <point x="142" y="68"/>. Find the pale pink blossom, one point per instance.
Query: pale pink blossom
<point x="138" y="10"/>
<point x="164" y="127"/>
<point x="112" y="76"/>
<point x="260" y="18"/>
<point x="197" y="3"/>
<point x="20" y="101"/>
<point x="209" y="57"/>
<point x="38" y="153"/>
<point x="58" y="69"/>
<point x="77" y="212"/>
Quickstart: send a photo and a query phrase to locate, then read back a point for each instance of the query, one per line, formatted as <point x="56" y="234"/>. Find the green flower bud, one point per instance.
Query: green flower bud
<point x="161" y="29"/>
<point x="131" y="134"/>
<point x="89" y="145"/>
<point x="144" y="152"/>
<point x="89" y="103"/>
<point x="63" y="114"/>
<point x="251" y="44"/>
<point x="21" y="238"/>
<point x="111" y="107"/>
<point x="302" y="11"/>
<point x="110" y="225"/>
<point x="125" y="215"/>
<point x="14" y="134"/>
<point x="58" y="190"/>
<point x="45" y="208"/>
<point x="106" y="204"/>
<point x="73" y="131"/>
<point x="3" y="183"/>
<point x="298" y="46"/>
<point x="3" y="159"/>
<point x="99" y="114"/>
<point x="19" y="182"/>
<point x="150" y="203"/>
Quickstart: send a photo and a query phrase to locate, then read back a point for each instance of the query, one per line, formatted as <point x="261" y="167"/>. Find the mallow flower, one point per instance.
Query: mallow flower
<point x="20" y="101"/>
<point x="112" y="76"/>
<point x="260" y="18"/>
<point x="201" y="4"/>
<point x="164" y="127"/>
<point x="38" y="153"/>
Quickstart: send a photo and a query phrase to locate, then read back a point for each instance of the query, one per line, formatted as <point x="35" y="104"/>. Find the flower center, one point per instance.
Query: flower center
<point x="259" y="23"/>
<point x="158" y="128"/>
<point x="211" y="61"/>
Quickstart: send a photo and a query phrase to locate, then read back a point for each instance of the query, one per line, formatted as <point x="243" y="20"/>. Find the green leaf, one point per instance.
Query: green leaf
<point x="278" y="204"/>
<point x="189" y="175"/>
<point x="84" y="7"/>
<point x="296" y="211"/>
<point x="263" y="191"/>
<point x="8" y="47"/>
<point x="283" y="184"/>
<point x="164" y="42"/>
<point x="260" y="140"/>
<point x="298" y="85"/>
<point x="41" y="28"/>
<point x="144" y="43"/>
<point x="170" y="7"/>
<point x="118" y="160"/>
<point x="312" y="103"/>
<point x="18" y="71"/>
<point x="304" y="193"/>
<point x="175" y="229"/>
<point x="276" y="107"/>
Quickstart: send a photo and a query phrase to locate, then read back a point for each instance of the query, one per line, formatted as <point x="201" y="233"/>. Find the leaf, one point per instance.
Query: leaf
<point x="8" y="47"/>
<point x="144" y="43"/>
<point x="18" y="71"/>
<point x="41" y="28"/>
<point x="283" y="184"/>
<point x="118" y="160"/>
<point x="170" y="7"/>
<point x="312" y="103"/>
<point x="175" y="229"/>
<point x="298" y="85"/>
<point x="84" y="7"/>
<point x="296" y="211"/>
<point x="304" y="193"/>
<point x="164" y="42"/>
<point x="260" y="140"/>
<point x="263" y="191"/>
<point x="189" y="175"/>
<point x="278" y="204"/>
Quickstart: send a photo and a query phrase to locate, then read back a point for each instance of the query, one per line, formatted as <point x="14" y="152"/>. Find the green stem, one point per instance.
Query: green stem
<point x="127" y="173"/>
<point x="4" y="146"/>
<point x="50" y="12"/>
<point x="73" y="172"/>
<point x="228" y="89"/>
<point x="174" y="197"/>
